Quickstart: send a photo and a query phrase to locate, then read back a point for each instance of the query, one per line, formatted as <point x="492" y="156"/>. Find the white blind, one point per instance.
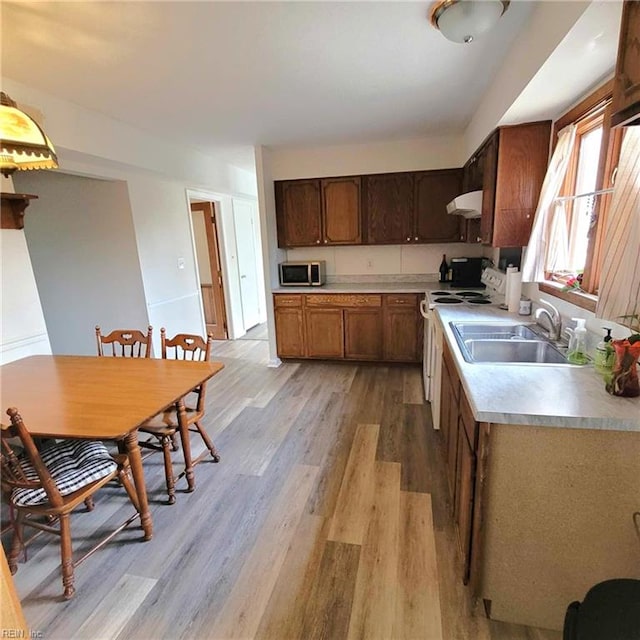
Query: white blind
<point x="619" y="293"/>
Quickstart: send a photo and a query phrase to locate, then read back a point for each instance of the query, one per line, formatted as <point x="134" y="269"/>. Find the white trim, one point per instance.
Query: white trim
<point x="151" y="305"/>
<point x="274" y="363"/>
<point x="17" y="343"/>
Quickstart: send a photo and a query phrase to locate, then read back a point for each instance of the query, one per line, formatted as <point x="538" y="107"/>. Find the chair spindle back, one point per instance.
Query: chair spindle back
<point x="127" y="343"/>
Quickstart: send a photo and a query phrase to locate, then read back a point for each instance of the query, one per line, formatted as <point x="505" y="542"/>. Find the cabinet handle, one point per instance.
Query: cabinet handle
<point x="325" y="241"/>
<point x="317" y="241"/>
<point x="408" y="238"/>
<point x="416" y="238"/>
<point x="478" y="239"/>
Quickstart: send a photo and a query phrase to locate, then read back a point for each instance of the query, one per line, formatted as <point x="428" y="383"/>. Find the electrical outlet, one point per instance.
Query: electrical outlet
<point x="369" y="264"/>
<point x="180" y="263"/>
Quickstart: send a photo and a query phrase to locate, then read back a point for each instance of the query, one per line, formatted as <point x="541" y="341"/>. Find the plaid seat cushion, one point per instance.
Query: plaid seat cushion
<point x="72" y="464"/>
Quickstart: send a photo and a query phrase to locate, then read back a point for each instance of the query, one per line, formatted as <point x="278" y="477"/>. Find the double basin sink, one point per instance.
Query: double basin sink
<point x="505" y="343"/>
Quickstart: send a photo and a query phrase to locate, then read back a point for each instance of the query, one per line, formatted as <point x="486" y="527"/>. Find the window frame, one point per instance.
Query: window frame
<point x="596" y="104"/>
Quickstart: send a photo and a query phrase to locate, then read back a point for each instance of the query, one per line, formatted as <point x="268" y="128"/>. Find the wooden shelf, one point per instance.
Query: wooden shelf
<point x="13" y="208"/>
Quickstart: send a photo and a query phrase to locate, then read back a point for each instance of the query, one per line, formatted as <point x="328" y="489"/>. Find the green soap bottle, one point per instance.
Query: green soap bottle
<point x="577" y="353"/>
<point x="604" y="355"/>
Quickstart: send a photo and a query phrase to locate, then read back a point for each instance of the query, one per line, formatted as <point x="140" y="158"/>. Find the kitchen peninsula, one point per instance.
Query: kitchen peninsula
<point x="544" y="474"/>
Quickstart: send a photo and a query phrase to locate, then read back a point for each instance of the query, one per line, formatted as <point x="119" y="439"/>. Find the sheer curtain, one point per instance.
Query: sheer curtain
<point x="619" y="293"/>
<point x="549" y="235"/>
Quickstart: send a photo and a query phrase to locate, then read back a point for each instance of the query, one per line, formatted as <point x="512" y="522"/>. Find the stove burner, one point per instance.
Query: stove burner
<point x="479" y="301"/>
<point x="448" y="300"/>
<point x="440" y="293"/>
<point x="469" y="294"/>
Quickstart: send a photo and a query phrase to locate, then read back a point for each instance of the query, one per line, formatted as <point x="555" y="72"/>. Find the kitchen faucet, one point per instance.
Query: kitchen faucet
<point x="553" y="315"/>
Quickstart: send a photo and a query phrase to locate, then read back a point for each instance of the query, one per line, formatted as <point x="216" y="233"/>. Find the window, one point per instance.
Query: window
<point x="574" y="262"/>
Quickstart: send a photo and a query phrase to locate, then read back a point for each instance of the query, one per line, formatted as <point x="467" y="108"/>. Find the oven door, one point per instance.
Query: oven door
<point x="426" y="375"/>
<point x="435" y="369"/>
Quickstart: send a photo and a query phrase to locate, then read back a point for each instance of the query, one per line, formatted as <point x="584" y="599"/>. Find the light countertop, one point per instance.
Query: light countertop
<point x="367" y="287"/>
<point x="542" y="395"/>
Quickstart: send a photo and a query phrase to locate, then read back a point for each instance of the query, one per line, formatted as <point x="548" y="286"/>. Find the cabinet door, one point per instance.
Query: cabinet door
<point x="453" y="425"/>
<point x="341" y="219"/>
<point x="626" y="88"/>
<point x="465" y="482"/>
<point x="389" y="208"/>
<point x="403" y="329"/>
<point x="489" y="174"/>
<point x="363" y="334"/>
<point x="523" y="153"/>
<point x="434" y="190"/>
<point x="324" y="333"/>
<point x="289" y="333"/>
<point x="298" y="212"/>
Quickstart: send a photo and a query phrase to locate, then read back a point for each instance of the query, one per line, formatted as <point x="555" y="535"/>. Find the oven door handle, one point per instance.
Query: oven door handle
<point x="424" y="311"/>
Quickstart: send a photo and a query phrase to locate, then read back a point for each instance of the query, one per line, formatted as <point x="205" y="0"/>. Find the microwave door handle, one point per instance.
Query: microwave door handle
<point x="309" y="280"/>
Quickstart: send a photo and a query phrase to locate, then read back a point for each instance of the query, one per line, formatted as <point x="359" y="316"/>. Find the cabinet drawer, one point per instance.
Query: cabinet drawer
<point x="401" y="300"/>
<point x="287" y="301"/>
<point x="343" y="300"/>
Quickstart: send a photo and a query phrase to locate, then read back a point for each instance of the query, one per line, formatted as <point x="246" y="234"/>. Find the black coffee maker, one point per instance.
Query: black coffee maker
<point x="466" y="272"/>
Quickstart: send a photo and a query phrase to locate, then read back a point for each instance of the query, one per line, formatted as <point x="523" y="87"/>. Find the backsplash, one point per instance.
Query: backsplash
<point x="384" y="260"/>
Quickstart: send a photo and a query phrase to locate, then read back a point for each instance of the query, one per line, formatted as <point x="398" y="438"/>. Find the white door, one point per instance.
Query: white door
<point x="245" y="221"/>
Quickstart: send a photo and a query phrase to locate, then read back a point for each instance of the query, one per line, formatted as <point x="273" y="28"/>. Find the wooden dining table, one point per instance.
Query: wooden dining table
<point x="102" y="398"/>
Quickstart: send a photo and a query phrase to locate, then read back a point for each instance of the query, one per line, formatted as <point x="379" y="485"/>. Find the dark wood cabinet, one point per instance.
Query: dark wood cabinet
<point x="626" y="88"/>
<point x="376" y="327"/>
<point x="299" y="207"/>
<point x="363" y="334"/>
<point x="341" y="211"/>
<point x="509" y="167"/>
<point x="403" y="328"/>
<point x="433" y="191"/>
<point x="289" y="326"/>
<point x="389" y="205"/>
<point x="461" y="435"/>
<point x="324" y="333"/>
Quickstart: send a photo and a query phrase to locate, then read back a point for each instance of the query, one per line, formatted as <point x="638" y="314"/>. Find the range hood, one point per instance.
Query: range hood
<point x="468" y="205"/>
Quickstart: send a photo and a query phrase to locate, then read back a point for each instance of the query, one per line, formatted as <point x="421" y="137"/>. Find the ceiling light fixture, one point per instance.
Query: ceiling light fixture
<point x="463" y="20"/>
<point x="23" y="143"/>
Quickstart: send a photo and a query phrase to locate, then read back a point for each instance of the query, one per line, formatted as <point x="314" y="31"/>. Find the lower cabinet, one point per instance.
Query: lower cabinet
<point x="460" y="432"/>
<point x="376" y="327"/>
<point x="325" y="329"/>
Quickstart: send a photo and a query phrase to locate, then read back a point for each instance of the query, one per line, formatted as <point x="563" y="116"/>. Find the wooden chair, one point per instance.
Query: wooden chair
<point x="128" y="343"/>
<point x="164" y="426"/>
<point x="49" y="484"/>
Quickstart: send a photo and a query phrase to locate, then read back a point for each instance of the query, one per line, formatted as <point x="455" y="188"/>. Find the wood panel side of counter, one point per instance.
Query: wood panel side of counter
<point x="558" y="519"/>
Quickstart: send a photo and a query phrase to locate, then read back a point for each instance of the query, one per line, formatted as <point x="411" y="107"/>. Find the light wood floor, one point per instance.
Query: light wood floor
<point x="326" y="518"/>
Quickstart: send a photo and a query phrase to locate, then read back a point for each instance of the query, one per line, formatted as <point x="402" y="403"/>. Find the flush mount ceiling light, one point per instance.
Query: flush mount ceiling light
<point x="463" y="20"/>
<point x="23" y="144"/>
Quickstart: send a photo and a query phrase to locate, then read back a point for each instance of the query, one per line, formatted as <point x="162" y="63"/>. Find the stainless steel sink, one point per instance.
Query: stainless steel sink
<point x="505" y="343"/>
<point x="514" y="350"/>
<point x="496" y="331"/>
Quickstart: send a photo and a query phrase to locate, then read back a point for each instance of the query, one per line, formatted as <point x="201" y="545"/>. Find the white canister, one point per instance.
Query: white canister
<point x="524" y="308"/>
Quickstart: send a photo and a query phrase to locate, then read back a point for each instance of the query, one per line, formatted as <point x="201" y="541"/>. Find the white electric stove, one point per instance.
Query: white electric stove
<point x="492" y="294"/>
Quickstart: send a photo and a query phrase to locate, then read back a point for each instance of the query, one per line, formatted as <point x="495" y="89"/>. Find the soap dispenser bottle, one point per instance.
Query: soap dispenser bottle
<point x="577" y="353"/>
<point x="605" y="354"/>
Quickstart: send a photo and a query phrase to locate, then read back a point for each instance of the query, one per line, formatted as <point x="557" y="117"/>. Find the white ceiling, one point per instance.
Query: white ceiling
<point x="236" y="74"/>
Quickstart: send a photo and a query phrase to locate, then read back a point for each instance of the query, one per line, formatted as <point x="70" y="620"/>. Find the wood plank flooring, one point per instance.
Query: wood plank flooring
<point x="327" y="517"/>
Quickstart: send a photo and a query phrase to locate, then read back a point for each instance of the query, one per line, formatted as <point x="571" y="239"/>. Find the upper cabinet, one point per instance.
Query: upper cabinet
<point x="299" y="207"/>
<point x="387" y="208"/>
<point x="341" y="215"/>
<point x="318" y="211"/>
<point x="389" y="205"/>
<point x="626" y="90"/>
<point x="433" y="192"/>
<point x="509" y="167"/>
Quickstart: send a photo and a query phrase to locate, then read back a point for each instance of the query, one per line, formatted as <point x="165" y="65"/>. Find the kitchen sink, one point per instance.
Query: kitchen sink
<point x="505" y="343"/>
<point x="513" y="350"/>
<point x="483" y="331"/>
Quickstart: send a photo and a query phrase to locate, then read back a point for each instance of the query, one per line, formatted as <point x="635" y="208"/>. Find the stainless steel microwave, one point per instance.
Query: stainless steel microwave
<point x="302" y="274"/>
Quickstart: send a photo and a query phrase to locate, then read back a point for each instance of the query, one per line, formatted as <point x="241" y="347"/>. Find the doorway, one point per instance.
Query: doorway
<point x="205" y="232"/>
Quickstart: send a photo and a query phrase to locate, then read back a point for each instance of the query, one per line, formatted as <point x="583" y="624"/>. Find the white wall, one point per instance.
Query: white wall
<point x="549" y="24"/>
<point x="158" y="176"/>
<point x="73" y="230"/>
<point x="23" y="332"/>
<point x="443" y="152"/>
